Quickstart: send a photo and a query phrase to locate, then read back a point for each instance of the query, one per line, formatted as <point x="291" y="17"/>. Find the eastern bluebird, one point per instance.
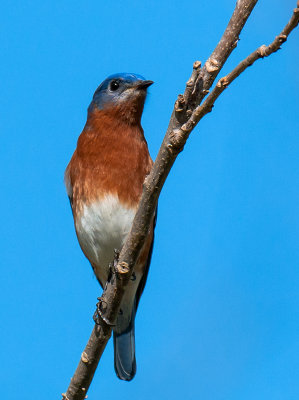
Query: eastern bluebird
<point x="104" y="182"/>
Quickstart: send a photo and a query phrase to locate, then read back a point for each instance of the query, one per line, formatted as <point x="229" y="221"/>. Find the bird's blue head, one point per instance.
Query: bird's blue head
<point x="121" y="90"/>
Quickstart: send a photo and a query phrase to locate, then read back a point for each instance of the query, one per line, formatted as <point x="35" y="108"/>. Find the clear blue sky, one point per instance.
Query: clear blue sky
<point x="219" y="316"/>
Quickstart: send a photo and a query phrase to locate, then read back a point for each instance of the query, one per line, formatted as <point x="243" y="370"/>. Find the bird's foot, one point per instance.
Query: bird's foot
<point x="99" y="314"/>
<point x="101" y="307"/>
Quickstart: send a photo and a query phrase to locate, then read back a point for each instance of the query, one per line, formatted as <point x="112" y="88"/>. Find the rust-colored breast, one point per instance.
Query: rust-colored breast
<point x="111" y="157"/>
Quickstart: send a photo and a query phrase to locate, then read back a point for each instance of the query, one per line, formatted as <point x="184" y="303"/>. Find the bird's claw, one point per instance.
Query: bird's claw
<point x="99" y="314"/>
<point x="101" y="307"/>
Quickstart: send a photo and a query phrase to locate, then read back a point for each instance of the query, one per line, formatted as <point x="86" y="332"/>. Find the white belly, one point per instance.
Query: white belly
<point x="101" y="228"/>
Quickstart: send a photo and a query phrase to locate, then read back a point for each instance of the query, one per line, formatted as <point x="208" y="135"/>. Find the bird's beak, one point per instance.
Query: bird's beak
<point x="143" y="84"/>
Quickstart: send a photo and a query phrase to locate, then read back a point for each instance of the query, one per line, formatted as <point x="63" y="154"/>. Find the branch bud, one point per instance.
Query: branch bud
<point x="212" y="65"/>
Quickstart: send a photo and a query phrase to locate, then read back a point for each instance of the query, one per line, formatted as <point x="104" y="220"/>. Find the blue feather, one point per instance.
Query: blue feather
<point x="103" y="96"/>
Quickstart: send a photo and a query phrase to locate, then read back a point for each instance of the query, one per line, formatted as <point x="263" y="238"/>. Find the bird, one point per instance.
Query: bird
<point x="104" y="182"/>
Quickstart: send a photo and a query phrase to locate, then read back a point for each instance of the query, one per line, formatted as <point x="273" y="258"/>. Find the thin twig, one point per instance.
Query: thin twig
<point x="227" y="44"/>
<point x="202" y="78"/>
<point x="224" y="82"/>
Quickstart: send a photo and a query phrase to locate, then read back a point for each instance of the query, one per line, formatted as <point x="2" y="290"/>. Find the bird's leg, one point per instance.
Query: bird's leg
<point x="101" y="306"/>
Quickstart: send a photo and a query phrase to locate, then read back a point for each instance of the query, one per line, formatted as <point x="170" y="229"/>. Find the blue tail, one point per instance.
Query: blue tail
<point x="124" y="351"/>
<point x="124" y="331"/>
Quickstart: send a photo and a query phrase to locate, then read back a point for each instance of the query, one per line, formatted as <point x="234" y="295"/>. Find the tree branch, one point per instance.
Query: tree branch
<point x="186" y="114"/>
<point x="222" y="84"/>
<point x="227" y="44"/>
<point x="202" y="78"/>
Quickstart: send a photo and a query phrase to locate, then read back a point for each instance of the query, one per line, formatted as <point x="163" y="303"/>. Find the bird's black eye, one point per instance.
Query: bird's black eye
<point x="114" y="85"/>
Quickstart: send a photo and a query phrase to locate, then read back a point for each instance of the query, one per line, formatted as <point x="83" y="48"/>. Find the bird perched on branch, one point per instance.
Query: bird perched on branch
<point x="104" y="182"/>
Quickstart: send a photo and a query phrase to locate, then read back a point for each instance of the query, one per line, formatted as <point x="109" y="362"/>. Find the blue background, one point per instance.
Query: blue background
<point x="219" y="316"/>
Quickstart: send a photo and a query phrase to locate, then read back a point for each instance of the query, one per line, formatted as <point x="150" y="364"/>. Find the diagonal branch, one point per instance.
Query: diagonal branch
<point x="202" y="78"/>
<point x="199" y="85"/>
<point x="227" y="43"/>
<point x="186" y="114"/>
<point x="222" y="84"/>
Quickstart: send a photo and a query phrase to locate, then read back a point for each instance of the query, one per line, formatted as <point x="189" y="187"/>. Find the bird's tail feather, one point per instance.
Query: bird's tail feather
<point x="124" y="350"/>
